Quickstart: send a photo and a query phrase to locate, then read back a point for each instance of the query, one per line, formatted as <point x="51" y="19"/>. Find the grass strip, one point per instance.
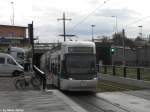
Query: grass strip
<point x="108" y="86"/>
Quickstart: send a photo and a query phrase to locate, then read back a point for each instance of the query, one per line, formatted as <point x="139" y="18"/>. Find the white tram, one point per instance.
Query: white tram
<point x="71" y="66"/>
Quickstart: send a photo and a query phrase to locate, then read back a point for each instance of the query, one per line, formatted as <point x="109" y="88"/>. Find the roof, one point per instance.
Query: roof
<point x="16" y="38"/>
<point x="5" y="55"/>
<point x="17" y="49"/>
<point x="13" y="26"/>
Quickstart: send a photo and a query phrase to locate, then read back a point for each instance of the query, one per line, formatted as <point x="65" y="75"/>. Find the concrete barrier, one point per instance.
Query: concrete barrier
<point x="122" y="80"/>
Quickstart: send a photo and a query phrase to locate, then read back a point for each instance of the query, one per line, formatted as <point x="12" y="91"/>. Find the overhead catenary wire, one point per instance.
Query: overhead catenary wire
<point x="136" y="21"/>
<point x="80" y="22"/>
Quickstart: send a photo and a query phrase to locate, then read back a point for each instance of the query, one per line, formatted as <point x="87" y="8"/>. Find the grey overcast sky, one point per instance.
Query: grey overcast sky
<point x="130" y="14"/>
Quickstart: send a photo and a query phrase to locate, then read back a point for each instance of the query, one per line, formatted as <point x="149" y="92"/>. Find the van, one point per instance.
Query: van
<point x="9" y="66"/>
<point x="18" y="54"/>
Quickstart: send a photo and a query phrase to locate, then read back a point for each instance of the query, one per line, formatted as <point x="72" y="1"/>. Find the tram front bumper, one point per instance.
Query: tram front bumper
<point x="78" y="85"/>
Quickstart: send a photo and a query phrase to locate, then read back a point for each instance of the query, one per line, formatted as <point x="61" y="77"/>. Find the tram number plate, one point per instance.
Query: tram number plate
<point x="83" y="83"/>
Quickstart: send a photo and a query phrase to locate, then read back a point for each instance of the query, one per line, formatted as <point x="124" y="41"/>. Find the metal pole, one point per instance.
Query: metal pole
<point x="116" y="23"/>
<point x="92" y="33"/>
<point x="123" y="39"/>
<point x="140" y="32"/>
<point x="32" y="36"/>
<point x="64" y="27"/>
<point x="138" y="49"/>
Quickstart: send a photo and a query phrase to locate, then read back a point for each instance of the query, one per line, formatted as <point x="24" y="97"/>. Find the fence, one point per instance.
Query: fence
<point x="139" y="73"/>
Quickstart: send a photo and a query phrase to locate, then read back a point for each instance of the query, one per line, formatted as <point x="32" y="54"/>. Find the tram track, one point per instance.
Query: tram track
<point x="89" y="106"/>
<point x="114" y="104"/>
<point x="93" y="103"/>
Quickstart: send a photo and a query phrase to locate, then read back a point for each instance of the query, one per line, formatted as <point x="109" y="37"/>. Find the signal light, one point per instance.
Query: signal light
<point x="112" y="50"/>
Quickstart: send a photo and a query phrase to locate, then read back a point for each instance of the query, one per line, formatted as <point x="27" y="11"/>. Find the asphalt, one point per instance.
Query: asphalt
<point x="36" y="101"/>
<point x="31" y="100"/>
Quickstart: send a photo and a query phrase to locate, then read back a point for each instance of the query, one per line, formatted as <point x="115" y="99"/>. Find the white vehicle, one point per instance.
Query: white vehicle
<point x="72" y="66"/>
<point x="18" y="54"/>
<point x="8" y="65"/>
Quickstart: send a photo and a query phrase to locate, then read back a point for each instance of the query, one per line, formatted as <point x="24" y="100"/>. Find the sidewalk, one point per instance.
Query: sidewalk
<point x="30" y="100"/>
<point x="37" y="101"/>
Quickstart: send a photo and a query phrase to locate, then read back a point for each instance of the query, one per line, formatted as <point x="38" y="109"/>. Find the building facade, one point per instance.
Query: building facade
<point x="13" y="36"/>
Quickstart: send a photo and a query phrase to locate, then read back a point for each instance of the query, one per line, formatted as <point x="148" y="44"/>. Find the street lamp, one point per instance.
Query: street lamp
<point x="140" y="31"/>
<point x="116" y="23"/>
<point x="92" y="32"/>
<point x="137" y="49"/>
<point x="13" y="15"/>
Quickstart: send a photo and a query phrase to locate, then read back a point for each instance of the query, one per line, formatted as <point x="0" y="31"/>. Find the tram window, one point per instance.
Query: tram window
<point x="49" y="67"/>
<point x="20" y="55"/>
<point x="2" y="60"/>
<point x="52" y="67"/>
<point x="63" y="66"/>
<point x="58" y="67"/>
<point x="58" y="58"/>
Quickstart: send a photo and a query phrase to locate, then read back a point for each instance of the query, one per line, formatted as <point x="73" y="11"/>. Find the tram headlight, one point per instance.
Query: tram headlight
<point x="70" y="78"/>
<point x="95" y="78"/>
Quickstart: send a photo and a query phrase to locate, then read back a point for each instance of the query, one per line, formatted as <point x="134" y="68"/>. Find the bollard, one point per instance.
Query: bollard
<point x="105" y="69"/>
<point x="114" y="70"/>
<point x="138" y="74"/>
<point x="124" y="71"/>
<point x="98" y="68"/>
<point x="44" y="82"/>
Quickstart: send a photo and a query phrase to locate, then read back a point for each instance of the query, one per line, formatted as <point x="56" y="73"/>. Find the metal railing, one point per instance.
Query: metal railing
<point x="41" y="75"/>
<point x="139" y="73"/>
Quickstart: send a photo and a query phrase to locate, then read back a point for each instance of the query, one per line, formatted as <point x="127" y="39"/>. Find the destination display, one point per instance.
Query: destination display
<point x="80" y="50"/>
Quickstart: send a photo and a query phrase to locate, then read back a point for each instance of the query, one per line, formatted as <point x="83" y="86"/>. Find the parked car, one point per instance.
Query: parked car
<point x="9" y="66"/>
